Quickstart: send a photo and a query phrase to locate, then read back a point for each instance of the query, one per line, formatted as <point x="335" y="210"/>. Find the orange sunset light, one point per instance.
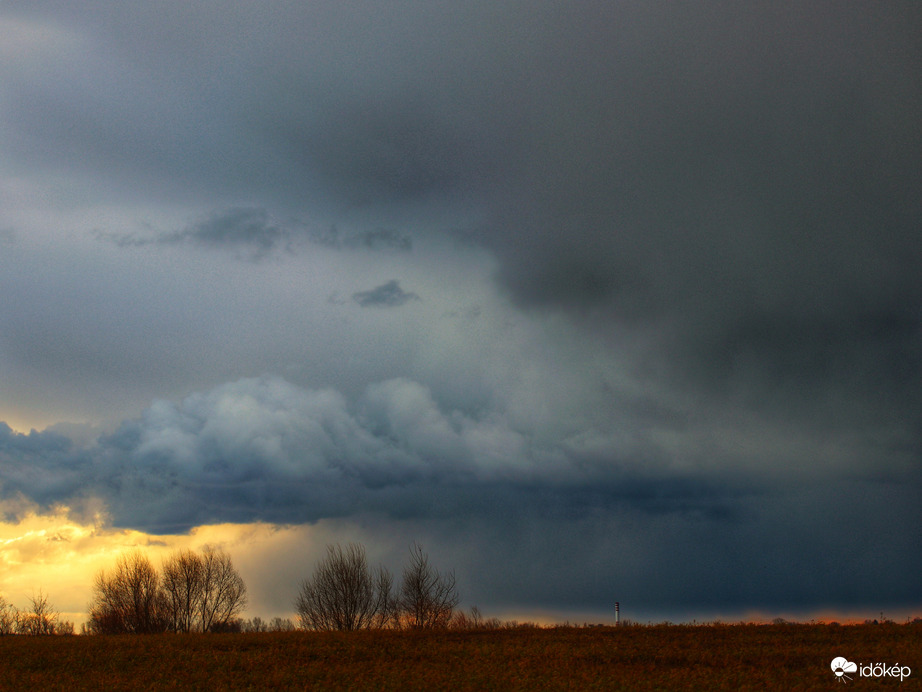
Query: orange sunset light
<point x="56" y="554"/>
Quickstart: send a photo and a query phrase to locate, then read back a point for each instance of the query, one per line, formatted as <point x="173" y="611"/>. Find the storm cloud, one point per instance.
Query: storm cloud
<point x="265" y="450"/>
<point x="602" y="289"/>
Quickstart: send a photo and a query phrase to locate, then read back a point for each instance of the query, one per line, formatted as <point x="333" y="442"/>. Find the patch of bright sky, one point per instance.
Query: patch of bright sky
<point x="59" y="555"/>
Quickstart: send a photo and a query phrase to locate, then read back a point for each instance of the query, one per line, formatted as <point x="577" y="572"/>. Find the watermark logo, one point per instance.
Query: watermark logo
<point x="841" y="667"/>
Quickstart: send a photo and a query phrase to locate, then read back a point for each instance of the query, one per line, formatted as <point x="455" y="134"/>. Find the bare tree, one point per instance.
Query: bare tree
<point x="386" y="614"/>
<point x="130" y="599"/>
<point x="256" y="624"/>
<point x="9" y="617"/>
<point x="464" y="621"/>
<point x="427" y="598"/>
<point x="183" y="586"/>
<point x="41" y="619"/>
<point x="280" y="624"/>
<point x="343" y="594"/>
<point x="204" y="592"/>
<point x="476" y="618"/>
<point x="277" y="624"/>
<point x="224" y="595"/>
<point x="197" y="592"/>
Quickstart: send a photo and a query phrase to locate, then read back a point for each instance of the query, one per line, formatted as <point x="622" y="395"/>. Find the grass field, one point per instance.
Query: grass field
<point x="703" y="657"/>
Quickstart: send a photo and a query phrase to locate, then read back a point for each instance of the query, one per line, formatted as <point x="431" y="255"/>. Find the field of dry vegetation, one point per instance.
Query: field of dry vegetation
<point x="670" y="657"/>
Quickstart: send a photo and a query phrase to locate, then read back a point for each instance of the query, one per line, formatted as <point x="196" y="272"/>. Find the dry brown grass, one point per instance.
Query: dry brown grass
<point x="777" y="657"/>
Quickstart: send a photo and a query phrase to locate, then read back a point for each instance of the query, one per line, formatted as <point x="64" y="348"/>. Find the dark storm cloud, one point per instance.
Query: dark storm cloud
<point x="325" y="105"/>
<point x="263" y="448"/>
<point x="44" y="466"/>
<point x="525" y="521"/>
<point x="699" y="171"/>
<point x="736" y="182"/>
<point x="725" y="154"/>
<point x="388" y="295"/>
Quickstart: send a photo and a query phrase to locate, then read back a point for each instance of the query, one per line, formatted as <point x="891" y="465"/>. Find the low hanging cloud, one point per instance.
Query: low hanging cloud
<point x="266" y="449"/>
<point x="388" y="295"/>
<point x="43" y="466"/>
<point x="521" y="515"/>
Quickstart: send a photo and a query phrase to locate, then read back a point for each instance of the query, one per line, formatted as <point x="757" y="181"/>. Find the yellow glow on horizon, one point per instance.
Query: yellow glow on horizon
<point x="60" y="556"/>
<point x="60" y="552"/>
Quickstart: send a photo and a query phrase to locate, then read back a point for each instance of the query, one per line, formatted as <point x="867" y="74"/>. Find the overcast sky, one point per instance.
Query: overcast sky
<point x="598" y="301"/>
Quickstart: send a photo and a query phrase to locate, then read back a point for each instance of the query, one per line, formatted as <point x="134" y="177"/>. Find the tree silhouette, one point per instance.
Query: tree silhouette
<point x="196" y="593"/>
<point x="343" y="594"/>
<point x="128" y="600"/>
<point x="182" y="584"/>
<point x="41" y="619"/>
<point x="223" y="593"/>
<point x="427" y="598"/>
<point x="8" y="617"/>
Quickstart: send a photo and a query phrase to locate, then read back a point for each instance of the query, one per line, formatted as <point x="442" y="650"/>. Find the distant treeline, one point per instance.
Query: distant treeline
<point x="203" y="592"/>
<point x="40" y="618"/>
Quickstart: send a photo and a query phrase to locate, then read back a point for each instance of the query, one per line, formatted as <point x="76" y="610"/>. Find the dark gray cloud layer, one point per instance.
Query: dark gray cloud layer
<point x="707" y="171"/>
<point x="700" y="358"/>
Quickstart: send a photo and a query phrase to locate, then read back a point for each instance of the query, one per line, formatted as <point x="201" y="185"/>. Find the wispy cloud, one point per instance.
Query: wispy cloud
<point x="388" y="295"/>
<point x="376" y="239"/>
<point x="247" y="228"/>
<point x="255" y="232"/>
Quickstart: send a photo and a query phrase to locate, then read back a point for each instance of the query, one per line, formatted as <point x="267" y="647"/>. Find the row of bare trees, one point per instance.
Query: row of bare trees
<point x="203" y="592"/>
<point x="39" y="619"/>
<point x="344" y="594"/>
<point x="196" y="592"/>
